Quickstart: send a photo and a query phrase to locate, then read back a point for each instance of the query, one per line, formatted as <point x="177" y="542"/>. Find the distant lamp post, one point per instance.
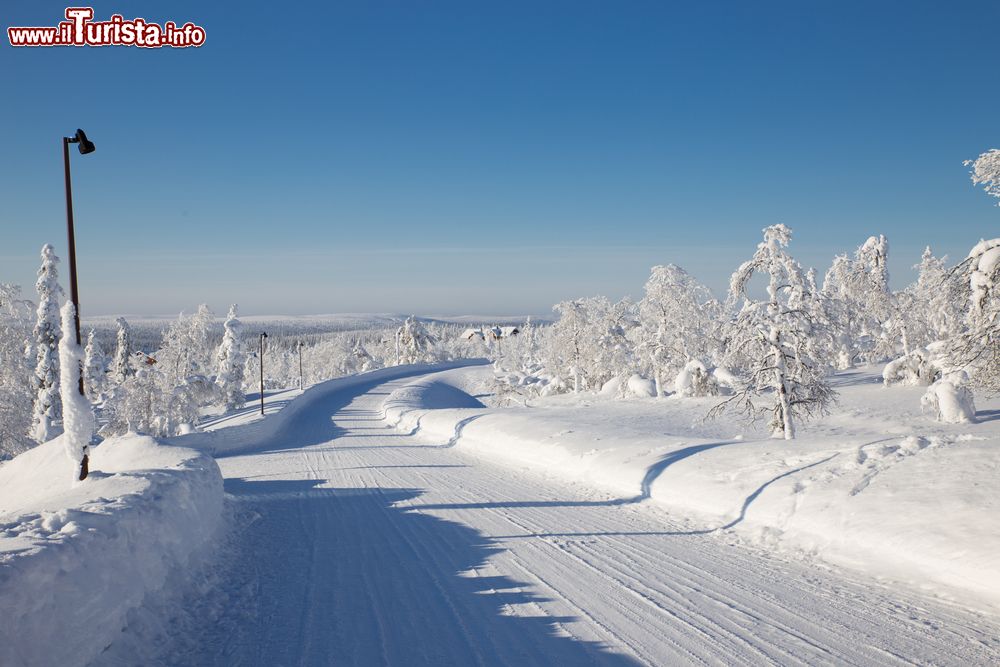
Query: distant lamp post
<point x="86" y="146"/>
<point x="262" y="337"/>
<point x="302" y="379"/>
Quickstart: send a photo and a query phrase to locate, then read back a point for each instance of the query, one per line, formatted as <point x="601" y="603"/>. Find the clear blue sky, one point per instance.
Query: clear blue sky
<point x="449" y="157"/>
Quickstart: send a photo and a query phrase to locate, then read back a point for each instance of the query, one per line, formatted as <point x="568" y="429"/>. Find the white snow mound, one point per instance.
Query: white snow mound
<point x="75" y="557"/>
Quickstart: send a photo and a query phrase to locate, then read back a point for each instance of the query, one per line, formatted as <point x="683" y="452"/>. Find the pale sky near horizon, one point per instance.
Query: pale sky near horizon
<point x="466" y="157"/>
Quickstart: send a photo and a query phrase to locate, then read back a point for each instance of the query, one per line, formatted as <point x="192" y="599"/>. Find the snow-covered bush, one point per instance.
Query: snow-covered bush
<point x="695" y="379"/>
<point x="950" y="399"/>
<point x="914" y="369"/>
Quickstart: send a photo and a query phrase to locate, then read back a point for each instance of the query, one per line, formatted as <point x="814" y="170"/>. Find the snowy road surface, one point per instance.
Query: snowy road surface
<point x="358" y="545"/>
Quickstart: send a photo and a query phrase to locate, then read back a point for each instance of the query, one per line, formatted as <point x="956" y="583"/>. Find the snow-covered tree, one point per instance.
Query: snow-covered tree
<point x="861" y="303"/>
<point x="977" y="348"/>
<point x="231" y="359"/>
<point x="676" y="319"/>
<point x="986" y="172"/>
<point x="415" y="345"/>
<point x="187" y="349"/>
<point x="771" y="338"/>
<point x="47" y="407"/>
<point x="568" y="342"/>
<point x="95" y="368"/>
<point x="17" y="378"/>
<point x="121" y="366"/>
<point x="361" y="360"/>
<point x="78" y="413"/>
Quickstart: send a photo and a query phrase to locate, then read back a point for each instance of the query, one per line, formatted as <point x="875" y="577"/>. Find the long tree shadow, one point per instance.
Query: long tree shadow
<point x="346" y="576"/>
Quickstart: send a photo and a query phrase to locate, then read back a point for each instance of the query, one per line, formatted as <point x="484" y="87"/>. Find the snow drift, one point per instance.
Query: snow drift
<point x="74" y="559"/>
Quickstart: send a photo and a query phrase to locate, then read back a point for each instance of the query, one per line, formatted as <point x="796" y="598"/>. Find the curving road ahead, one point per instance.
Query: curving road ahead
<point x="358" y="545"/>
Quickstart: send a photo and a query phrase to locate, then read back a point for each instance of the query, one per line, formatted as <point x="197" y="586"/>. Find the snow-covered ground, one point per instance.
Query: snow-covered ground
<point x="391" y="518"/>
<point x="358" y="542"/>
<point x="77" y="557"/>
<point x="877" y="486"/>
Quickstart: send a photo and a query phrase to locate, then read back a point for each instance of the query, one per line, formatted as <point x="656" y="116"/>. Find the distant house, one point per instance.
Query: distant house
<point x="491" y="333"/>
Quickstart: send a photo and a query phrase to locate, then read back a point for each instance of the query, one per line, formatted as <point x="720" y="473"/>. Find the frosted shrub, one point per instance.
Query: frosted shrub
<point x="950" y="399"/>
<point x="695" y="379"/>
<point x="914" y="369"/>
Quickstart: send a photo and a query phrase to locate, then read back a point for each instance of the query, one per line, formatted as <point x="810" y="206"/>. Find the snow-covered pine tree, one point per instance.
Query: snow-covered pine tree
<point x="231" y="362"/>
<point x="95" y="368"/>
<point x="47" y="407"/>
<point x="121" y="367"/>
<point x="772" y="338"/>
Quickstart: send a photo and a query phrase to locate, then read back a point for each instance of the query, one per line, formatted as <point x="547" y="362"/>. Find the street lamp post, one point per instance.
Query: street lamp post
<point x="262" y="337"/>
<point x="86" y="146"/>
<point x="302" y="379"/>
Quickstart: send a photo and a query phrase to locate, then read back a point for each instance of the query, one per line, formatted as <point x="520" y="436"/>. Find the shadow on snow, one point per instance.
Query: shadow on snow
<point x="356" y="580"/>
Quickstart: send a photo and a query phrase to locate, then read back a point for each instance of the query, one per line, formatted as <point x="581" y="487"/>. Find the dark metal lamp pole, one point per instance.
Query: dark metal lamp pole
<point x="262" y="337"/>
<point x="302" y="380"/>
<point x="85" y="146"/>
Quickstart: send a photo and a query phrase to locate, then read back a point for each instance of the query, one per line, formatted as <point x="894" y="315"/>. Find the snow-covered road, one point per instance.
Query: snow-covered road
<point x="358" y="545"/>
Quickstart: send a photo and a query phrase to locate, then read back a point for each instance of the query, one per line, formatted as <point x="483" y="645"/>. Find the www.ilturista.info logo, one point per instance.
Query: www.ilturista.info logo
<point x="81" y="30"/>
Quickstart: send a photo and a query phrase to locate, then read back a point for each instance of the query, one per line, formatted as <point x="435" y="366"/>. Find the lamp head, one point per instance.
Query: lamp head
<point x="85" y="145"/>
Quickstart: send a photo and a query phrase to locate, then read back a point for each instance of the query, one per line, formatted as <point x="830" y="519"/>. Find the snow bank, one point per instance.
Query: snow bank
<point x="75" y="558"/>
<point x="878" y="487"/>
<point x="268" y="431"/>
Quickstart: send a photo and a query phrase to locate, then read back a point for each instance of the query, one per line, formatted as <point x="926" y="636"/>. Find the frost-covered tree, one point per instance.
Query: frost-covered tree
<point x="986" y="172"/>
<point x="121" y="366"/>
<point x="231" y="360"/>
<point x="17" y="378"/>
<point x="47" y="407"/>
<point x="977" y="347"/>
<point x="187" y="349"/>
<point x="95" y="368"/>
<point x="771" y="339"/>
<point x="568" y="342"/>
<point x="676" y="319"/>
<point x="78" y="413"/>
<point x="415" y="345"/>
<point x="861" y="303"/>
<point x="361" y="360"/>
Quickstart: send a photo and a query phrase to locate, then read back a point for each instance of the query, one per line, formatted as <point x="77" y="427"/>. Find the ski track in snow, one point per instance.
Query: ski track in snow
<point x="380" y="548"/>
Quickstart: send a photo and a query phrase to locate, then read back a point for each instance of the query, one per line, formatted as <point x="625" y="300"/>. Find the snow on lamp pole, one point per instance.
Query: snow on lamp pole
<point x="86" y="146"/>
<point x="262" y="337"/>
